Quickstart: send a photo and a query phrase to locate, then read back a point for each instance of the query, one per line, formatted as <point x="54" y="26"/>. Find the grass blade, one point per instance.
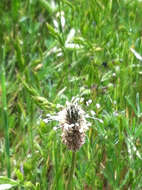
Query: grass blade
<point x="5" y="116"/>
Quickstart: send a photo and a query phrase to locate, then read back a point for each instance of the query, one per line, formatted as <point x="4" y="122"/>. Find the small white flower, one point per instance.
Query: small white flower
<point x="88" y="102"/>
<point x="114" y="74"/>
<point x="92" y="113"/>
<point x="81" y="99"/>
<point x="98" y="106"/>
<point x="87" y="116"/>
<point x="46" y="120"/>
<point x="55" y="128"/>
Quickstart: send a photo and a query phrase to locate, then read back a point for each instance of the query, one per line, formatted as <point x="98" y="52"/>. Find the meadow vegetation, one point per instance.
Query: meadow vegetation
<point x="51" y="51"/>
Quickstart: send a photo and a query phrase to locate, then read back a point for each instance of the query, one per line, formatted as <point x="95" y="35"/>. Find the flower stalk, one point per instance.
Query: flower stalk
<point x="70" y="179"/>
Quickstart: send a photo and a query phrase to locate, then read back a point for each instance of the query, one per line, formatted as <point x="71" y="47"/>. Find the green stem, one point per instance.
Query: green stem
<point x="69" y="185"/>
<point x="5" y="117"/>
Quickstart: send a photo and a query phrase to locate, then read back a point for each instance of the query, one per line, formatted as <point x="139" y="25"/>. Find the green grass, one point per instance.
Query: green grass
<point x="42" y="71"/>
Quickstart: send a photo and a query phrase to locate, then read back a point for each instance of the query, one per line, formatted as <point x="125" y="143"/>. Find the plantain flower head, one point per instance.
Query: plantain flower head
<point x="74" y="125"/>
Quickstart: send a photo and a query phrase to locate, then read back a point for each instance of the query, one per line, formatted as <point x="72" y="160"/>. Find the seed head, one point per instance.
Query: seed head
<point x="74" y="125"/>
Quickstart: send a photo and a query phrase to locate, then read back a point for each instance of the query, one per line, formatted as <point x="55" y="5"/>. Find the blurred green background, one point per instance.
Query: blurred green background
<point x="51" y="51"/>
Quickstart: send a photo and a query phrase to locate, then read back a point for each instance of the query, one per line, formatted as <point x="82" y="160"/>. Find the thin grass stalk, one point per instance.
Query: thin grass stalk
<point x="31" y="125"/>
<point x="5" y="121"/>
<point x="70" y="180"/>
